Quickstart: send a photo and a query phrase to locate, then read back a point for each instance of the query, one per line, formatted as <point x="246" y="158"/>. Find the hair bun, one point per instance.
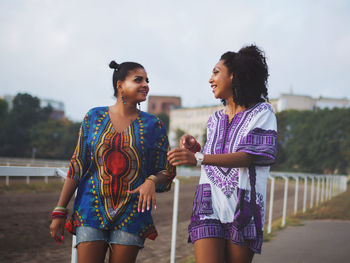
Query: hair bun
<point x="114" y="65"/>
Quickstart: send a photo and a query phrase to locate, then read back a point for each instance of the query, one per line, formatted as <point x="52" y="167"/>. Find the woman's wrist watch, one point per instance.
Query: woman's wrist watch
<point x="199" y="157"/>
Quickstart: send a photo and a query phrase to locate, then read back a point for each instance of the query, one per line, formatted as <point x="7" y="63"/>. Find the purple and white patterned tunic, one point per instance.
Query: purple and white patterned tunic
<point x="230" y="202"/>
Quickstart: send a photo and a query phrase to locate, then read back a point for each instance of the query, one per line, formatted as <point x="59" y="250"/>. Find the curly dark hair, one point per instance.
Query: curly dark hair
<point x="121" y="71"/>
<point x="250" y="73"/>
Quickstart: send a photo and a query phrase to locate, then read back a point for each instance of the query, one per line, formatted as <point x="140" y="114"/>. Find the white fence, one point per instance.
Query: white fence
<point x="327" y="186"/>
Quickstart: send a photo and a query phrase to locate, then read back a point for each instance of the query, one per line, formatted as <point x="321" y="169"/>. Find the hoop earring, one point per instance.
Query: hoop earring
<point x="123" y="100"/>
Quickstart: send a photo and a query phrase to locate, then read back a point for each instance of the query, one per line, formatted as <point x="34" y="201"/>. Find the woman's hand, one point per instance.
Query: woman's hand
<point x="147" y="196"/>
<point x="189" y="142"/>
<point x="181" y="156"/>
<point x="57" y="229"/>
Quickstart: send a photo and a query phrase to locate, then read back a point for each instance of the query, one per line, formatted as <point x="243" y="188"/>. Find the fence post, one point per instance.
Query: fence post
<point x="272" y="191"/>
<point x="296" y="194"/>
<point x="318" y="191"/>
<point x="175" y="212"/>
<point x="305" y="193"/>
<point x="7" y="180"/>
<point x="331" y="186"/>
<point x="74" y="256"/>
<point x="312" y="191"/>
<point x="322" y="189"/>
<point x="285" y="196"/>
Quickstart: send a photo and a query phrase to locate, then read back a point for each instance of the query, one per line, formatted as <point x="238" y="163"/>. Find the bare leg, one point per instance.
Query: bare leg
<point x="209" y="250"/>
<point x="238" y="254"/>
<point x="123" y="254"/>
<point x="92" y="252"/>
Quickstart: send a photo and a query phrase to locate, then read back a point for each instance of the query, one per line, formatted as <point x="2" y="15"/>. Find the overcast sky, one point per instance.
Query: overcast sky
<point x="61" y="49"/>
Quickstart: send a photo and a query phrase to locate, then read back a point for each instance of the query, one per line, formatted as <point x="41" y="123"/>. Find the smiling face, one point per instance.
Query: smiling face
<point x="221" y="81"/>
<point x="135" y="87"/>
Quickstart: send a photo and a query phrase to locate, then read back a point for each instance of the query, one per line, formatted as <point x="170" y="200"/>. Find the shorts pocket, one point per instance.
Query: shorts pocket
<point x="202" y="204"/>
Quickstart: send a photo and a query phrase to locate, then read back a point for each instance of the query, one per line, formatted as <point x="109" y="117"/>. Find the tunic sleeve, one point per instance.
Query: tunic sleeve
<point x="158" y="159"/>
<point x="80" y="160"/>
<point x="261" y="138"/>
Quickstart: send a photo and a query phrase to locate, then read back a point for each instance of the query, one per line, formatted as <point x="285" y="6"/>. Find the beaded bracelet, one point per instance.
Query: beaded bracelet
<point x="59" y="212"/>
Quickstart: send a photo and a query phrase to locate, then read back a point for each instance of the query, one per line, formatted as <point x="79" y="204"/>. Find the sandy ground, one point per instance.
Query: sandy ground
<point x="25" y="219"/>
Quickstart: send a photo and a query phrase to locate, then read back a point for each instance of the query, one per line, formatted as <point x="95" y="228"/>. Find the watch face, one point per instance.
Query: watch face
<point x="199" y="156"/>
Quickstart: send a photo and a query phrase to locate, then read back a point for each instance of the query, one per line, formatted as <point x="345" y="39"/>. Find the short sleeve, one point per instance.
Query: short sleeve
<point x="80" y="159"/>
<point x="158" y="159"/>
<point x="209" y="131"/>
<point x="261" y="138"/>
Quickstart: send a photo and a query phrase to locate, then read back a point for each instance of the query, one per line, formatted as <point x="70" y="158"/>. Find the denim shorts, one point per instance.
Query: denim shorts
<point x="119" y="237"/>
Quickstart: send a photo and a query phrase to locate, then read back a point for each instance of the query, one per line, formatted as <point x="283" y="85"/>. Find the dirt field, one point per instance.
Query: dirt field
<point x="25" y="219"/>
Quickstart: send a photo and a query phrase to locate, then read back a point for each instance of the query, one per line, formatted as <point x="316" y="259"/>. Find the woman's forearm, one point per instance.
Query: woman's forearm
<point x="161" y="178"/>
<point x="229" y="160"/>
<point x="69" y="187"/>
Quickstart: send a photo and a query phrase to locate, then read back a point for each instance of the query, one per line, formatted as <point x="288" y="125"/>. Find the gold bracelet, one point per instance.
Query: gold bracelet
<point x="153" y="178"/>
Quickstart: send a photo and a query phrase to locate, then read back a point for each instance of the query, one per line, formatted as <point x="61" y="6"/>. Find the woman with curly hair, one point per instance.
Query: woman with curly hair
<point x="229" y="204"/>
<point x="120" y="161"/>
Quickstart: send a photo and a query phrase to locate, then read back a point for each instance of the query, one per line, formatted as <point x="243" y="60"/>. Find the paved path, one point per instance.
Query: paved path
<point x="321" y="241"/>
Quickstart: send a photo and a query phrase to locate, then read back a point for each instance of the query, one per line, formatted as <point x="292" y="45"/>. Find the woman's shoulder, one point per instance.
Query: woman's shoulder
<point x="150" y="118"/>
<point x="215" y="117"/>
<point x="266" y="106"/>
<point x="262" y="108"/>
<point x="96" y="111"/>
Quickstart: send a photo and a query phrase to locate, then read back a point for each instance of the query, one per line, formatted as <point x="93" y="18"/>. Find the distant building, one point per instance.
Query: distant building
<point x="190" y="120"/>
<point x="302" y="102"/>
<point x="57" y="106"/>
<point x="9" y="99"/>
<point x="194" y="120"/>
<point x="162" y="104"/>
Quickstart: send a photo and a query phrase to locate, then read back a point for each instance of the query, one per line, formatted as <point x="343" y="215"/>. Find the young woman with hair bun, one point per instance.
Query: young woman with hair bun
<point x="119" y="162"/>
<point x="229" y="204"/>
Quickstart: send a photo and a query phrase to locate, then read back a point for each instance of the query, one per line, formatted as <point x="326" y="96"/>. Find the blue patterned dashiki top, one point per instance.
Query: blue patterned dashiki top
<point x="107" y="163"/>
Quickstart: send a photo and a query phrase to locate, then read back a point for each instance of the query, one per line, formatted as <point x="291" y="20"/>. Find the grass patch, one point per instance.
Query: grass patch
<point x="337" y="208"/>
<point x="189" y="260"/>
<point x="35" y="187"/>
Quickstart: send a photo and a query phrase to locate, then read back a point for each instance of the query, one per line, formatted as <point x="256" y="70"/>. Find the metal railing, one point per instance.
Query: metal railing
<point x="332" y="185"/>
<point x="327" y="186"/>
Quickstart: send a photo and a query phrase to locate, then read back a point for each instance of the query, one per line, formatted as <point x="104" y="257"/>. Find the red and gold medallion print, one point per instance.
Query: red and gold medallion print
<point x="118" y="161"/>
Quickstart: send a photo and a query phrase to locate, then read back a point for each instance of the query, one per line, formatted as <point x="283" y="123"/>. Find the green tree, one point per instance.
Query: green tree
<point x="314" y="141"/>
<point x="15" y="136"/>
<point x="3" y="109"/>
<point x="54" y="139"/>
